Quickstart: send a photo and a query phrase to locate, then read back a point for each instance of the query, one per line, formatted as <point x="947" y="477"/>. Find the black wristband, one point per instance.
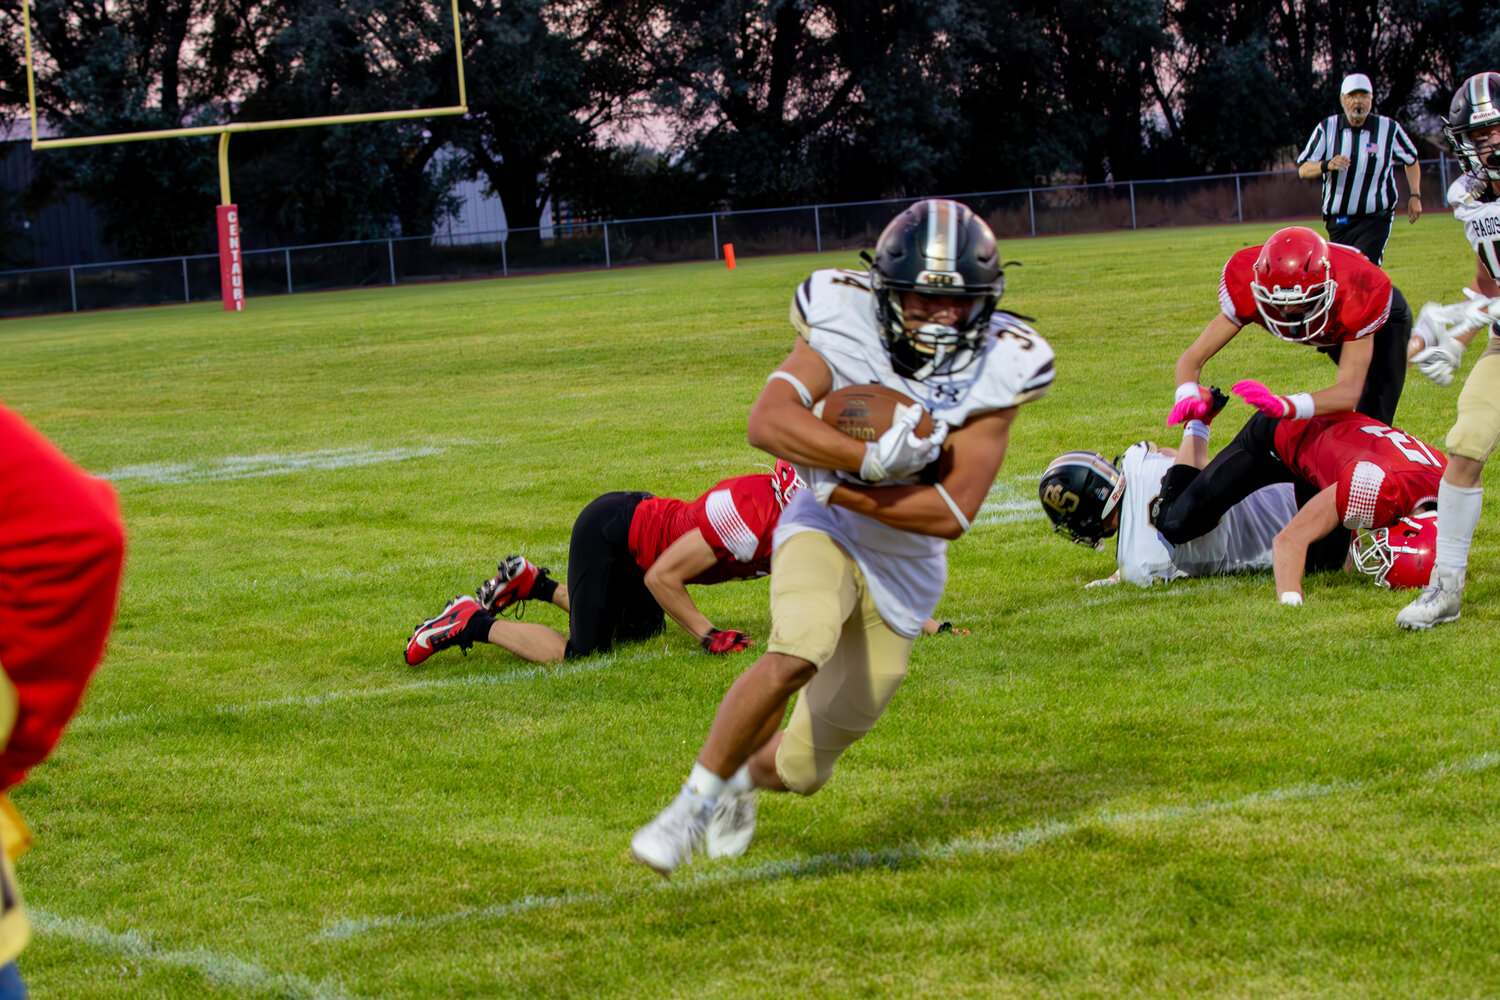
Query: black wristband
<point x="708" y="637"/>
<point x="1325" y="166"/>
<point x="1411" y="196"/>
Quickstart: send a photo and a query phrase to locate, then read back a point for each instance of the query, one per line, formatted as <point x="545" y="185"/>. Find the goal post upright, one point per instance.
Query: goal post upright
<point x="227" y="212"/>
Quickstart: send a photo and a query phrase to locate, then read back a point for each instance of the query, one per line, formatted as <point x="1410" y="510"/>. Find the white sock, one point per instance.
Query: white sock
<point x="739" y="782"/>
<point x="1458" y="513"/>
<point x="704" y="783"/>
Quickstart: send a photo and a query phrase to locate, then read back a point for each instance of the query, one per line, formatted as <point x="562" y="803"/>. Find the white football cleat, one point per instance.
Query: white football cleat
<point x="731" y="826"/>
<point x="669" y="841"/>
<point x="1439" y="601"/>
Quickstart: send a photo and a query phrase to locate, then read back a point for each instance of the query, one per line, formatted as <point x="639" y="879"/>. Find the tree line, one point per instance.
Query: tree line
<point x="751" y="103"/>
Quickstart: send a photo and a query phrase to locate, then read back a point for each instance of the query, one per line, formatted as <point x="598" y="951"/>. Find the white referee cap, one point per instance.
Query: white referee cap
<point x="1356" y="81"/>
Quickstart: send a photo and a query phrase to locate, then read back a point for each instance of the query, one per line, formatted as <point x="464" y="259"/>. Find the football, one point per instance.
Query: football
<point x="867" y="411"/>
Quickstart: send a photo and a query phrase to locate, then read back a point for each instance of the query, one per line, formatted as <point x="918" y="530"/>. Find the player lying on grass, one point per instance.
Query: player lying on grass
<point x="1089" y="499"/>
<point x="62" y="547"/>
<point x="860" y="562"/>
<point x="1353" y="472"/>
<point x="630" y="558"/>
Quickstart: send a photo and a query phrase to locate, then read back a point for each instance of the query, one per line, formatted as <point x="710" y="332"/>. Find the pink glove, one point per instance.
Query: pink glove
<point x="1193" y="402"/>
<point x="1263" y="399"/>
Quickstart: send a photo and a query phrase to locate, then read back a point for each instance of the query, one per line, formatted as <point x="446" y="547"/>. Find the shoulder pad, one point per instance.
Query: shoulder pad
<point x="825" y="294"/>
<point x="1024" y="357"/>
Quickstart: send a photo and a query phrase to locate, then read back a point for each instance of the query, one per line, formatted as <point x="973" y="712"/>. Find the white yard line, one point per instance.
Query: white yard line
<point x="1010" y="500"/>
<point x="228" y="971"/>
<point x="253" y="466"/>
<point x="1003" y="843"/>
<point x="538" y="672"/>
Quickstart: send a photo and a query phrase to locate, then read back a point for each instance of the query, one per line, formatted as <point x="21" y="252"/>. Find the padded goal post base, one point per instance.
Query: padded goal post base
<point x="231" y="265"/>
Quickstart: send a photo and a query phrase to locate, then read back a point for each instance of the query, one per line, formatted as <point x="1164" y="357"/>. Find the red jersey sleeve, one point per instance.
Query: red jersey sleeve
<point x="738" y="517"/>
<point x="1236" y="301"/>
<point x="62" y="546"/>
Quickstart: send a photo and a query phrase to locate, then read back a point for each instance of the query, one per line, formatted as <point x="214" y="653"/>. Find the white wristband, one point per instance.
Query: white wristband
<point x="958" y="515"/>
<point x="1195" y="428"/>
<point x="1187" y="390"/>
<point x="1302" y="405"/>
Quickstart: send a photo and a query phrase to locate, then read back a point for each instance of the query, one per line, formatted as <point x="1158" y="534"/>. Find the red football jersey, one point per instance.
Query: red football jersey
<point x="737" y="518"/>
<point x="1382" y="474"/>
<point x="61" y="550"/>
<point x="1361" y="302"/>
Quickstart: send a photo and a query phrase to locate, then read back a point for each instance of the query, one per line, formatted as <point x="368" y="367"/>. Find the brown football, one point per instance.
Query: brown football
<point x="866" y="411"/>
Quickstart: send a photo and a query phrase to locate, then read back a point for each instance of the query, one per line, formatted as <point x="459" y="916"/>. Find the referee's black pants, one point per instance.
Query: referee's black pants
<point x="1366" y="233"/>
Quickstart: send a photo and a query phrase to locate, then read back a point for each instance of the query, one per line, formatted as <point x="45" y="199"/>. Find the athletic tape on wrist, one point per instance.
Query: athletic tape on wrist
<point x="958" y="515"/>
<point x="796" y="383"/>
<point x="1187" y="390"/>
<point x="1303" y="406"/>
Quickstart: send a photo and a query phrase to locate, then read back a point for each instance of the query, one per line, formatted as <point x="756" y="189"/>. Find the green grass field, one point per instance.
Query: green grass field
<point x="1182" y="791"/>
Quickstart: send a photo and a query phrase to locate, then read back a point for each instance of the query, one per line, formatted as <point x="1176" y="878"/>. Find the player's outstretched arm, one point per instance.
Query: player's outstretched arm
<point x="1218" y="333"/>
<point x="1316" y="519"/>
<point x="971" y="460"/>
<point x="686" y="558"/>
<point x="781" y="421"/>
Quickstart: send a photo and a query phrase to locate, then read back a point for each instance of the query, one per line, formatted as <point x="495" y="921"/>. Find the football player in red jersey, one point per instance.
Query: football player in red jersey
<point x="1351" y="472"/>
<point x="1305" y="290"/>
<point x="62" y="547"/>
<point x="1368" y="475"/>
<point x="630" y="559"/>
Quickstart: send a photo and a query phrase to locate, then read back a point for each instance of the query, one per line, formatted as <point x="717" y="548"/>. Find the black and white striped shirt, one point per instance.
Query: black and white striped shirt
<point x="1368" y="185"/>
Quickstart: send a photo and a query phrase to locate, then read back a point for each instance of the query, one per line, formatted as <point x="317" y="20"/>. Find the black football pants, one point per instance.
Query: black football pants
<point x="606" y="589"/>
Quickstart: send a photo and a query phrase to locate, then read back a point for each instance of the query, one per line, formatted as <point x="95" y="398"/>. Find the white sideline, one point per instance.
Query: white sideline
<point x="1004" y="843"/>
<point x="220" y="969"/>
<point x="545" y="671"/>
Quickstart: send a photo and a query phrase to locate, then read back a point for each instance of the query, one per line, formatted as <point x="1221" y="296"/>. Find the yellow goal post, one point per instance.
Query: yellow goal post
<point x="230" y="271"/>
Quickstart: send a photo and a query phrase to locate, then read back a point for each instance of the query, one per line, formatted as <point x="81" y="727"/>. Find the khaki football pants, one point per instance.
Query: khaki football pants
<point x="1477" y="429"/>
<point x="15" y="929"/>
<point x="822" y="612"/>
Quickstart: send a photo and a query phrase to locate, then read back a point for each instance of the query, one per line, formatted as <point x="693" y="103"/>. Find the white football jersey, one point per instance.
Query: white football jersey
<point x="834" y="311"/>
<point x="1481" y="220"/>
<point x="1241" y="541"/>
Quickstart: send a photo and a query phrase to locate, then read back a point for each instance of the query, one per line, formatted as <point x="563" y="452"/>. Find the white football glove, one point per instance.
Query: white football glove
<point x="1439" y="362"/>
<point x="1108" y="581"/>
<point x="899" y="452"/>
<point x="1479" y="312"/>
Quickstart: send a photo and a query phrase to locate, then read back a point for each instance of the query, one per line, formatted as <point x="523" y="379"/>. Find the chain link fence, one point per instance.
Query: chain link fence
<point x="1189" y="201"/>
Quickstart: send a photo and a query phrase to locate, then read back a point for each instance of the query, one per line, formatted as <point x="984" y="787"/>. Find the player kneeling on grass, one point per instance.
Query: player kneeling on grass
<point x="61" y="550"/>
<point x="630" y="558"/>
<point x="860" y="562"/>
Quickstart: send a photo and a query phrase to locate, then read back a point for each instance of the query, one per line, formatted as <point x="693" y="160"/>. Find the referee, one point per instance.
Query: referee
<point x="1356" y="153"/>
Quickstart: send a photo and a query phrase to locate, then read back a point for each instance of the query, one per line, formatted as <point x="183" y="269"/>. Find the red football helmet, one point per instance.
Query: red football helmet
<point x="1293" y="284"/>
<point x="1400" y="556"/>
<point x="784" y="481"/>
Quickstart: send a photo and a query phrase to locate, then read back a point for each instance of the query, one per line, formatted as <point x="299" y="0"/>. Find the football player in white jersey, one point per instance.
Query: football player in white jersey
<point x="1089" y="499"/>
<point x="860" y="554"/>
<point x="1472" y="129"/>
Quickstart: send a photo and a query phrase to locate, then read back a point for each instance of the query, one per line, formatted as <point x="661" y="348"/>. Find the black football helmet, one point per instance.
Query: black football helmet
<point x="1476" y="105"/>
<point x="1079" y="491"/>
<point x="936" y="247"/>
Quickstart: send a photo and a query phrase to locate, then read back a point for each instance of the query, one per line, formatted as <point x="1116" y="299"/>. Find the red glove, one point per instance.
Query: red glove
<point x="727" y="641"/>
<point x="1298" y="407"/>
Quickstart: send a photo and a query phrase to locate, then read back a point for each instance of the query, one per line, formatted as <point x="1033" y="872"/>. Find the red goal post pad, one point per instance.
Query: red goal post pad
<point x="231" y="261"/>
